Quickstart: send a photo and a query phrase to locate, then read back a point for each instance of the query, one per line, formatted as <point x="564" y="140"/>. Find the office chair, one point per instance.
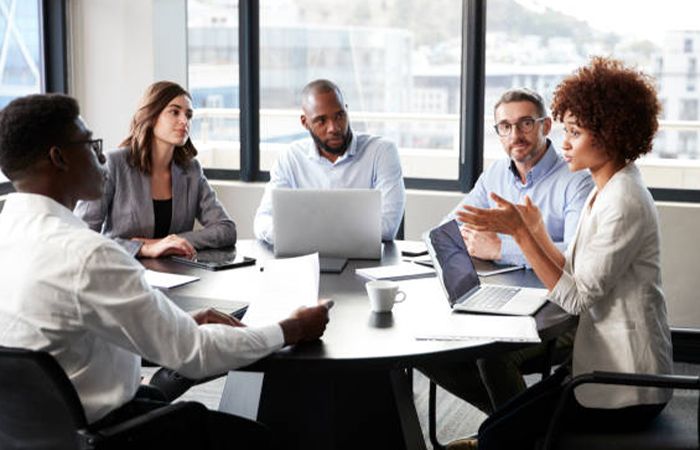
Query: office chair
<point x="41" y="410"/>
<point x="673" y="429"/>
<point x="544" y="367"/>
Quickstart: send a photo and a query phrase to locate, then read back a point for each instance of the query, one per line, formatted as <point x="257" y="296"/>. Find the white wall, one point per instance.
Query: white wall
<point x="117" y="49"/>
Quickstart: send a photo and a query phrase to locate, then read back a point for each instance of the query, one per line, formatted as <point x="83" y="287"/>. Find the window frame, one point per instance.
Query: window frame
<point x="54" y="53"/>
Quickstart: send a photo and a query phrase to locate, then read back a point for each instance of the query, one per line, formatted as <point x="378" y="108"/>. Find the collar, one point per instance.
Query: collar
<point x="543" y="166"/>
<point x="313" y="153"/>
<point x="25" y="203"/>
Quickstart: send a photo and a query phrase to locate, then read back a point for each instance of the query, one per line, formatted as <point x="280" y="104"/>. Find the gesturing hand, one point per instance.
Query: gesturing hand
<point x="505" y="218"/>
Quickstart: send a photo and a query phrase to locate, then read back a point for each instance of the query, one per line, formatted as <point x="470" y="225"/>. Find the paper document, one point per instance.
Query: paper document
<point x="402" y="271"/>
<point x="284" y="285"/>
<point x="165" y="280"/>
<point x="464" y="327"/>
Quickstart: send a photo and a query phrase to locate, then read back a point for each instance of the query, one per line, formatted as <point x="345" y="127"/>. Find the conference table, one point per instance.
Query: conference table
<point x="353" y="388"/>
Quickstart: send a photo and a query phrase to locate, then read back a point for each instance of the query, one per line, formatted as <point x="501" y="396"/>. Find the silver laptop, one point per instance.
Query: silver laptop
<point x="340" y="223"/>
<point x="460" y="280"/>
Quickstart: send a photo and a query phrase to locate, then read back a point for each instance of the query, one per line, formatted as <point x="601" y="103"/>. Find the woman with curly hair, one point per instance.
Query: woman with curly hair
<point x="155" y="188"/>
<point x="610" y="275"/>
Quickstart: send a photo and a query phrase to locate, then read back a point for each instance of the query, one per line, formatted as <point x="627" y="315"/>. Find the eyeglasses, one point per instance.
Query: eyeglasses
<point x="525" y="125"/>
<point x="95" y="145"/>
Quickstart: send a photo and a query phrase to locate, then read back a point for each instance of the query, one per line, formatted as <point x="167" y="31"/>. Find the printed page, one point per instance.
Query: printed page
<point x="464" y="327"/>
<point x="284" y="285"/>
<point x="165" y="280"/>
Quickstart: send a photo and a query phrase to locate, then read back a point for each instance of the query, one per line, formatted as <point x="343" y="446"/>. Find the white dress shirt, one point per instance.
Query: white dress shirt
<point x="370" y="162"/>
<point x="69" y="291"/>
<point x="612" y="280"/>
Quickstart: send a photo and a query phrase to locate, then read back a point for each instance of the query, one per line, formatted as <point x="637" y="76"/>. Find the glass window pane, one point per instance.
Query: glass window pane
<point x="537" y="43"/>
<point x="21" y="67"/>
<point x="397" y="62"/>
<point x="212" y="34"/>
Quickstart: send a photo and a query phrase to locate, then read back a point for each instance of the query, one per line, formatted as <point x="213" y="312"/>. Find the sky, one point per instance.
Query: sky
<point x="642" y="19"/>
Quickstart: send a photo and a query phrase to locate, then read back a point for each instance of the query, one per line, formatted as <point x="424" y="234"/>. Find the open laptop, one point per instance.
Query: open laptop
<point x="460" y="280"/>
<point x="337" y="223"/>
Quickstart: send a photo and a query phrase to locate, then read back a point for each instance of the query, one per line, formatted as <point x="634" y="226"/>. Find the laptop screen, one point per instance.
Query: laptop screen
<point x="452" y="261"/>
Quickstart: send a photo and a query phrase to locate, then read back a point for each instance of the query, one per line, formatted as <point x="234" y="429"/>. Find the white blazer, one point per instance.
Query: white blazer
<point x="612" y="280"/>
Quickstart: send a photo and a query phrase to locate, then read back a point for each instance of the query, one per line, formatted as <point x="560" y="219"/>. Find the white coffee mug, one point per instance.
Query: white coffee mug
<point x="383" y="294"/>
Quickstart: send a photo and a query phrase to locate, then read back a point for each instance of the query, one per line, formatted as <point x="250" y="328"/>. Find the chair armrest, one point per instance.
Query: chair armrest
<point x="182" y="424"/>
<point x="615" y="378"/>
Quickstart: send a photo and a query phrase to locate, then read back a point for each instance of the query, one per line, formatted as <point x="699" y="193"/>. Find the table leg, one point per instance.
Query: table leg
<point x="341" y="410"/>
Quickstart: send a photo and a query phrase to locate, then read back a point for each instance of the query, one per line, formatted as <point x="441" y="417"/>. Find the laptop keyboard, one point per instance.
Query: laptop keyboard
<point x="491" y="298"/>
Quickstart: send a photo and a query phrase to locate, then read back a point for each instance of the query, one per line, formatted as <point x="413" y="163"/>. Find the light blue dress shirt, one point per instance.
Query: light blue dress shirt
<point x="559" y="193"/>
<point x="370" y="162"/>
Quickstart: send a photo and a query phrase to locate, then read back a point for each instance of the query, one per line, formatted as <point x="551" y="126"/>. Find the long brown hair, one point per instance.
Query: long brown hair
<point x="140" y="138"/>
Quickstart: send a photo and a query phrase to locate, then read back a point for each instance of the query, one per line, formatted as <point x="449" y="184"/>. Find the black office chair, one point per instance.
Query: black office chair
<point x="551" y="357"/>
<point x="41" y="410"/>
<point x="673" y="429"/>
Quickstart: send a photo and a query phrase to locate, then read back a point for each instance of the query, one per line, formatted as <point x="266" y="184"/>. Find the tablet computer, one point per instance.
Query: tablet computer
<point x="216" y="259"/>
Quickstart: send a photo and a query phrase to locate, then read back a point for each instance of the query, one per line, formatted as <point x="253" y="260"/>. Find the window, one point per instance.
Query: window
<point x="397" y="62"/>
<point x="21" y="64"/>
<point x="536" y="44"/>
<point x="212" y="32"/>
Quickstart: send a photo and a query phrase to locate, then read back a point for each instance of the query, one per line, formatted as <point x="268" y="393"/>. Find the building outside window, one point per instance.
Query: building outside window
<point x="21" y="62"/>
<point x="537" y="43"/>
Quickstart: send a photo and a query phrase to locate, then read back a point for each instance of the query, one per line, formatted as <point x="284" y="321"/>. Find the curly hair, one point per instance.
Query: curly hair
<point x="617" y="104"/>
<point x="30" y="125"/>
<point x="140" y="138"/>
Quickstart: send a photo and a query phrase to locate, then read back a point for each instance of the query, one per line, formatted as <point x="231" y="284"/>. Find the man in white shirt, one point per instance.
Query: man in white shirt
<point x="334" y="158"/>
<point x="79" y="296"/>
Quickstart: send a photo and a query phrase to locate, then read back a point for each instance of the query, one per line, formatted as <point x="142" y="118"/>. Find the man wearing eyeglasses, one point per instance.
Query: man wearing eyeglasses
<point x="533" y="168"/>
<point x="69" y="291"/>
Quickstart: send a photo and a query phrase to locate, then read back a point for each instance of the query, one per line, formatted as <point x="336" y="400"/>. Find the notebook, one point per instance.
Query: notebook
<point x="460" y="280"/>
<point x="339" y="223"/>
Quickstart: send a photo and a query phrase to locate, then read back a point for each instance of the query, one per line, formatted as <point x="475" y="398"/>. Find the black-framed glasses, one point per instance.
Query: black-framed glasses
<point x="525" y="125"/>
<point x="95" y="144"/>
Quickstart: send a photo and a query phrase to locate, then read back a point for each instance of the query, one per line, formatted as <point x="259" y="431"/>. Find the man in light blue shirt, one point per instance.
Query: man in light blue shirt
<point x="333" y="158"/>
<point x="533" y="168"/>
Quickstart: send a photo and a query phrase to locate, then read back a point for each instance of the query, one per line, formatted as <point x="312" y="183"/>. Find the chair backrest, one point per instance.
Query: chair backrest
<point x="40" y="407"/>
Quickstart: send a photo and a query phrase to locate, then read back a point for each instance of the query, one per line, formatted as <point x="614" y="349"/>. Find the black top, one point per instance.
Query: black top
<point x="162" y="213"/>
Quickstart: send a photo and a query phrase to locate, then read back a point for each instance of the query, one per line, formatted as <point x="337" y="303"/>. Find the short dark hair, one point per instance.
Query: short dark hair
<point x="30" y="125"/>
<point x="522" y="94"/>
<point x="321" y="85"/>
<point x="617" y="104"/>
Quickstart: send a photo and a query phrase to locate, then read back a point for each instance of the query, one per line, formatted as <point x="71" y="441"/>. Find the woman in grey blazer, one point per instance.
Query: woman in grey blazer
<point x="155" y="188"/>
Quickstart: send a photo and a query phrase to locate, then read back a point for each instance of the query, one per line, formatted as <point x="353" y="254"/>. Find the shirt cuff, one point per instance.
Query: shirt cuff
<point x="272" y="334"/>
<point x="563" y="290"/>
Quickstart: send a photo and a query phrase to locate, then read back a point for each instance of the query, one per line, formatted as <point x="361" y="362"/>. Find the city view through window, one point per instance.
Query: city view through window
<point x="398" y="62"/>
<point x="20" y="55"/>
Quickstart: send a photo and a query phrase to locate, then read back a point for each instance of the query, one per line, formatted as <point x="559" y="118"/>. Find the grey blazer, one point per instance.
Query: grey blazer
<point x="126" y="208"/>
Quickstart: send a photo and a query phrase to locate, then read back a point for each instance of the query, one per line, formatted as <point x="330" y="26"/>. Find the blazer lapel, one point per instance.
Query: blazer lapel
<point x="180" y="183"/>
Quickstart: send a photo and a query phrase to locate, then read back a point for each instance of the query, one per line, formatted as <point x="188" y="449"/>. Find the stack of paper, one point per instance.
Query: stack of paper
<point x="465" y="327"/>
<point x="402" y="271"/>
